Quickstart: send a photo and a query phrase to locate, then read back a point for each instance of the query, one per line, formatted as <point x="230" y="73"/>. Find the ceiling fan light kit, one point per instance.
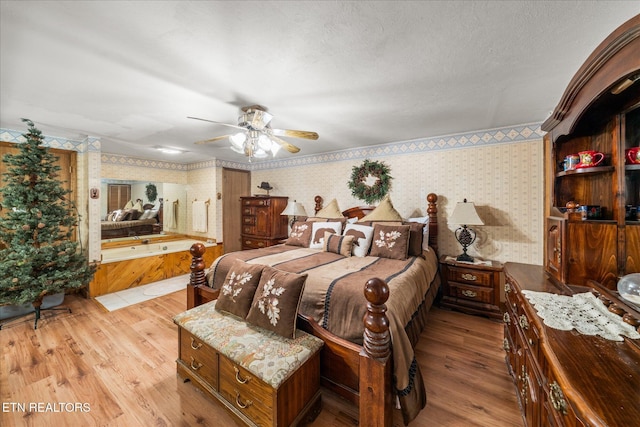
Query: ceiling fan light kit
<point x="257" y="139"/>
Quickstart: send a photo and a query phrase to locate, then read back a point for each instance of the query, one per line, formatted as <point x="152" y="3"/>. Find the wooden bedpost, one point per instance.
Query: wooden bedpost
<point x="376" y="404"/>
<point x="196" y="278"/>
<point x="432" y="212"/>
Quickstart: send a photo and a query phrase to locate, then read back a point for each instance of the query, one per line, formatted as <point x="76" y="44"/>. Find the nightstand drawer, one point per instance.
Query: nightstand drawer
<point x="467" y="275"/>
<point x="471" y="292"/>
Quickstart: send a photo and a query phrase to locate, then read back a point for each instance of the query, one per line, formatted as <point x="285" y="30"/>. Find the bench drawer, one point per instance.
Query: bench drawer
<point x="201" y="359"/>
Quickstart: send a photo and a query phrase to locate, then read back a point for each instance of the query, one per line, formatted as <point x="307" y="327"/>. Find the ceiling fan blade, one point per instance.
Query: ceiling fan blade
<point x="216" y="139"/>
<point x="284" y="144"/>
<point x="217" y="123"/>
<point x="295" y="133"/>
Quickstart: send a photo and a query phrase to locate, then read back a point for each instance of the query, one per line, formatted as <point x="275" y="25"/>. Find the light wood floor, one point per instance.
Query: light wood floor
<point x="95" y="368"/>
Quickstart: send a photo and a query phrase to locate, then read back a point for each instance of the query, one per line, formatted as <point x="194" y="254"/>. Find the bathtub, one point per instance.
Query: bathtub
<point x="139" y="264"/>
<point x="141" y="250"/>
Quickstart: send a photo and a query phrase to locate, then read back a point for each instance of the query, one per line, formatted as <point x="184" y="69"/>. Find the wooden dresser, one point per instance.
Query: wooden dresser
<point x="262" y="224"/>
<point x="563" y="378"/>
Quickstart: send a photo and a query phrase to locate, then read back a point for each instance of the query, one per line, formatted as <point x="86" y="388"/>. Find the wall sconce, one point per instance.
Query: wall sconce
<point x="465" y="214"/>
<point x="294" y="209"/>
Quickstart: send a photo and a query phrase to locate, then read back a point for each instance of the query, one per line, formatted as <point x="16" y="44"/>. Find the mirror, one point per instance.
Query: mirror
<point x="174" y="197"/>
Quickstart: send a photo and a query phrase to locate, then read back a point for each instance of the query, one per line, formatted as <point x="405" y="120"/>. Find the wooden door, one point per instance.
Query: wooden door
<point x="235" y="184"/>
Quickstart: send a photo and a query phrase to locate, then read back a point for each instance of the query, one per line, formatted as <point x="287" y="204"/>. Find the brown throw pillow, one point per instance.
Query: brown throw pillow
<point x="276" y="301"/>
<point x="239" y="287"/>
<point x="416" y="235"/>
<point x="390" y="241"/>
<point x="300" y="234"/>
<point x="338" y="244"/>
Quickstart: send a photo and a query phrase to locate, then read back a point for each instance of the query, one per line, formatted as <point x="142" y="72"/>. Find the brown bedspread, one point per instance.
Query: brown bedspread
<point x="333" y="296"/>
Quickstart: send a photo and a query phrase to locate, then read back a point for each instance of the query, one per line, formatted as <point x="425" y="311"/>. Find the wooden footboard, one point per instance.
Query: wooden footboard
<point x="361" y="374"/>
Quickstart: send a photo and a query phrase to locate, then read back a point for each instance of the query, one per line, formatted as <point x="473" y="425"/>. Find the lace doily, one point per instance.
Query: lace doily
<point x="584" y="312"/>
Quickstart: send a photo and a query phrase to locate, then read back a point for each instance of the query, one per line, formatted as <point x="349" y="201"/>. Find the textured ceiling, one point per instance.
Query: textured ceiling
<point x="358" y="73"/>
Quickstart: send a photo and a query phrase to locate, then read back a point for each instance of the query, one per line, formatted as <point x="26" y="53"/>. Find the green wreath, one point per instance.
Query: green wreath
<point x="370" y="193"/>
<point x="152" y="192"/>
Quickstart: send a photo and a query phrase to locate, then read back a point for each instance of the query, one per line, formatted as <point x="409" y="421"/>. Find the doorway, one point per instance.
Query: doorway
<point x="235" y="184"/>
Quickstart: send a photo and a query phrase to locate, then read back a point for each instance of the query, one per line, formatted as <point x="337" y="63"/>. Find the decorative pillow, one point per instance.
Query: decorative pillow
<point x="128" y="205"/>
<point x="383" y="212"/>
<point x="145" y="214"/>
<point x="239" y="287"/>
<point x="330" y="211"/>
<point x="361" y="238"/>
<point x="416" y="235"/>
<point x="153" y="213"/>
<point x="148" y="206"/>
<point x="318" y="229"/>
<point x="300" y="234"/>
<point x="116" y="214"/>
<point x="276" y="301"/>
<point x="342" y="221"/>
<point x="137" y="206"/>
<point x="338" y="244"/>
<point x="425" y="231"/>
<point x="110" y="216"/>
<point x="390" y="241"/>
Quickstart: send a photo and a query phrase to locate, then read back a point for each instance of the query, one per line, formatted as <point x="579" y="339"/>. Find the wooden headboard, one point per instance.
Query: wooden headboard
<point x="361" y="211"/>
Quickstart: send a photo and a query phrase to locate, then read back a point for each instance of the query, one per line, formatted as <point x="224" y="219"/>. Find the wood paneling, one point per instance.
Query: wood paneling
<point x="122" y="365"/>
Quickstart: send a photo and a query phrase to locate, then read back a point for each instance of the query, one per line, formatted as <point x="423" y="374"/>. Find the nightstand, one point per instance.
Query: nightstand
<point x="471" y="288"/>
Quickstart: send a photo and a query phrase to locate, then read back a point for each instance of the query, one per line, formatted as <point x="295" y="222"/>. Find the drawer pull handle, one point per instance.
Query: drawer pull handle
<point x="261" y="244"/>
<point x="239" y="378"/>
<point x="506" y="319"/>
<point x="524" y="323"/>
<point x="557" y="398"/>
<point x="507" y="288"/>
<point x="195" y="366"/>
<point x="239" y="403"/>
<point x="193" y="344"/>
<point x="469" y="277"/>
<point x="469" y="294"/>
<point x="505" y="345"/>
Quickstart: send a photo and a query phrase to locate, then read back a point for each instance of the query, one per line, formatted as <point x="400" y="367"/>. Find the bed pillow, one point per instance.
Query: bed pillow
<point x="276" y="301"/>
<point x="318" y="229"/>
<point x="137" y="206"/>
<point x="390" y="241"/>
<point x="128" y="205"/>
<point x="425" y="231"/>
<point x="337" y="243"/>
<point x="383" y="212"/>
<point x="330" y="211"/>
<point x="416" y="236"/>
<point x="361" y="238"/>
<point x="239" y="287"/>
<point x="146" y="214"/>
<point x="300" y="234"/>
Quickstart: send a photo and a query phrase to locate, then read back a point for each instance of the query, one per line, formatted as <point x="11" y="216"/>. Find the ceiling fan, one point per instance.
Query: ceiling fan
<point x="256" y="137"/>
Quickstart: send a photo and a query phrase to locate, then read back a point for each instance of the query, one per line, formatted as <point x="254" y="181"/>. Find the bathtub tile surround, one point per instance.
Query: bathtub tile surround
<point x="127" y="297"/>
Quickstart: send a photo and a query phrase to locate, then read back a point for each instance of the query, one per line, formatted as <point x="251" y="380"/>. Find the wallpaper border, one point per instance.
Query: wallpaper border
<point x="503" y="135"/>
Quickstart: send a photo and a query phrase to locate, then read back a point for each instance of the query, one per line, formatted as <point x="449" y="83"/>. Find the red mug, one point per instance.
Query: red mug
<point x="632" y="156"/>
<point x="589" y="159"/>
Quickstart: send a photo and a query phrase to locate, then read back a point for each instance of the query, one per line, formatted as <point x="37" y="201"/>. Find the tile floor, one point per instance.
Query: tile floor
<point x="142" y="293"/>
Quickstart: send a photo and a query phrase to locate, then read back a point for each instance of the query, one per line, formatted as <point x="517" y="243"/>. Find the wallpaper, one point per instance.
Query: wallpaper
<point x="504" y="181"/>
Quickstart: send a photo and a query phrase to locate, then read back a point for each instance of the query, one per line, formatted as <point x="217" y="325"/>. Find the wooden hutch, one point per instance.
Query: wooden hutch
<point x="564" y="378"/>
<point x="599" y="111"/>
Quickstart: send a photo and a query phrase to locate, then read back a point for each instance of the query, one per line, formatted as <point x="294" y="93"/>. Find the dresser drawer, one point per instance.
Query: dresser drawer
<point x="471" y="292"/>
<point x="246" y="392"/>
<point x="199" y="357"/>
<point x="248" y="220"/>
<point x="474" y="277"/>
<point x="256" y="202"/>
<point x="250" y="243"/>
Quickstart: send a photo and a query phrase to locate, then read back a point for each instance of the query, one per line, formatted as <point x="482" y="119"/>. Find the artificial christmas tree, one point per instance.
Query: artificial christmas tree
<point x="38" y="255"/>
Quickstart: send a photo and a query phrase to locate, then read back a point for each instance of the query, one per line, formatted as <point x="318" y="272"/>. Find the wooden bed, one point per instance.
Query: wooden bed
<point x="362" y="374"/>
<point x="138" y="227"/>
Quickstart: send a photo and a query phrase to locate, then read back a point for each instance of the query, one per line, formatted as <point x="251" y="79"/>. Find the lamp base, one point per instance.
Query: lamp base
<point x="464" y="257"/>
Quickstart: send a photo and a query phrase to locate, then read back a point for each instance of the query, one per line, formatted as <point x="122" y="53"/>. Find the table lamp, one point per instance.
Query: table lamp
<point x="465" y="214"/>
<point x="294" y="209"/>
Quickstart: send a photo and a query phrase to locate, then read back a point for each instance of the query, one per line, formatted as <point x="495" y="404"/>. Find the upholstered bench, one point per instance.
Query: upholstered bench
<point x="261" y="377"/>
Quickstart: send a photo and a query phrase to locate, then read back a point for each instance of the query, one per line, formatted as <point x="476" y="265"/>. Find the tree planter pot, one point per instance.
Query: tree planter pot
<point x="48" y="303"/>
